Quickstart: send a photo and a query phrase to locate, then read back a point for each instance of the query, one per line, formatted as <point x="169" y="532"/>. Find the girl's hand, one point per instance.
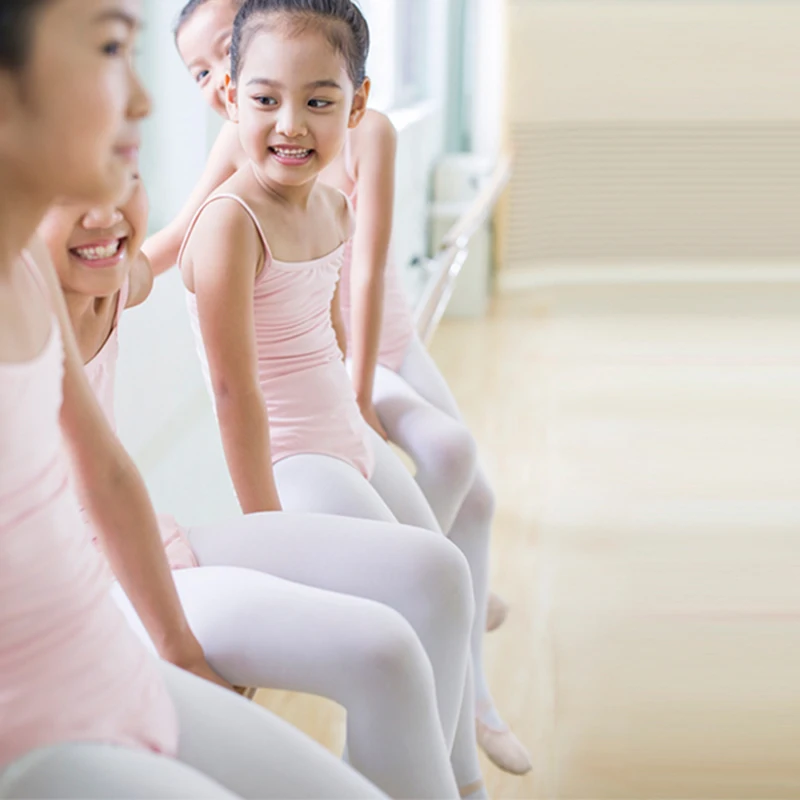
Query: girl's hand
<point x="371" y="417"/>
<point x="192" y="659"/>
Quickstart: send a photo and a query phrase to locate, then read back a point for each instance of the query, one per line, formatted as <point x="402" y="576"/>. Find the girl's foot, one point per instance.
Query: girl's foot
<point x="496" y="612"/>
<point x="473" y="791"/>
<point x="503" y="748"/>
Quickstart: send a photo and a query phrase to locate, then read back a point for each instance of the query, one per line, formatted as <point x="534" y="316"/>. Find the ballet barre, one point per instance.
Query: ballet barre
<point x="454" y="250"/>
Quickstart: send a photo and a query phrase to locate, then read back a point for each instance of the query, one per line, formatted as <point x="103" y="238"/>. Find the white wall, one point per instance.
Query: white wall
<point x="620" y="60"/>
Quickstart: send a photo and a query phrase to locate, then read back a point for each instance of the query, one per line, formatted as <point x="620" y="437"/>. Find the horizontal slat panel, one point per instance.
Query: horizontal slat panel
<point x="656" y="191"/>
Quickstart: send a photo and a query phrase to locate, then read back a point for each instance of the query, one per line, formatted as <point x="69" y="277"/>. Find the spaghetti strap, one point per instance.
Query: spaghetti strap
<point x="248" y="210"/>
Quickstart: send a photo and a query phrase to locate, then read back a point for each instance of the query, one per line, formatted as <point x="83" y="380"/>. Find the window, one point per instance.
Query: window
<point x="398" y="62"/>
<point x="412" y="18"/>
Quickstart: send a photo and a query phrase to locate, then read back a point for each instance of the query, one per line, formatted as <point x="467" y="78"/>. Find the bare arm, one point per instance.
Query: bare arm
<point x="162" y="248"/>
<point x="113" y="493"/>
<point x="224" y="255"/>
<point x="375" y="179"/>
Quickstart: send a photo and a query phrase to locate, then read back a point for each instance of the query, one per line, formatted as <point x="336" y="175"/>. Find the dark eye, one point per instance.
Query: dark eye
<point x="113" y="48"/>
<point x="201" y="76"/>
<point x="266" y="101"/>
<point x="320" y="103"/>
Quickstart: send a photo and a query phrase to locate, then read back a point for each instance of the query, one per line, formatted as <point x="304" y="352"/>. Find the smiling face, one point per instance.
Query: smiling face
<point x="204" y="44"/>
<point x="294" y="102"/>
<point x="92" y="248"/>
<point x="69" y="117"/>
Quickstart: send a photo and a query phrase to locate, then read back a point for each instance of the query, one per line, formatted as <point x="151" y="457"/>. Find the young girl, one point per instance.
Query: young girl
<point x="84" y="710"/>
<point x="261" y="262"/>
<point x="411" y="399"/>
<point x="355" y="651"/>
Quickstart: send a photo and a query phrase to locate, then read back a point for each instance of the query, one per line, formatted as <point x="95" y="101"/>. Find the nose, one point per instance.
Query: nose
<point x="139" y="104"/>
<point x="291" y="122"/>
<point x="101" y="218"/>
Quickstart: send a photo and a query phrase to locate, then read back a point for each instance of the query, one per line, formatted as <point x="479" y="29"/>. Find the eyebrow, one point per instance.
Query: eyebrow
<point x="323" y="84"/>
<point x="117" y="15"/>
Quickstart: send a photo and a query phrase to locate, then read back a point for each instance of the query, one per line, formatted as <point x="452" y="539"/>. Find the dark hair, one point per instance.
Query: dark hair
<point x="16" y="31"/>
<point x="188" y="11"/>
<point x="341" y="21"/>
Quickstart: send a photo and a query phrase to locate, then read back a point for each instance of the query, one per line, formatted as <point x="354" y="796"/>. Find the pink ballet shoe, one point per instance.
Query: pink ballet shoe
<point x="503" y="748"/>
<point x="496" y="612"/>
<point x="473" y="790"/>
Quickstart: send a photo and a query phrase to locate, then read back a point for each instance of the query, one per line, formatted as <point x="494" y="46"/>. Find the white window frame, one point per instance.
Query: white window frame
<point x="390" y="92"/>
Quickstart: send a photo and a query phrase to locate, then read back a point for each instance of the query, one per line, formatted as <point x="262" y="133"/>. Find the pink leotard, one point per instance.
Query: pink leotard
<point x="397" y="328"/>
<point x="311" y="405"/>
<point x="101" y="372"/>
<point x="70" y="667"/>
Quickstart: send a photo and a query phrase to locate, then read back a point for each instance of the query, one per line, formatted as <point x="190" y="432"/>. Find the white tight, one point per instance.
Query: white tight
<point x="228" y="748"/>
<point x="338" y="607"/>
<point x="421" y="416"/>
<point x="323" y="484"/>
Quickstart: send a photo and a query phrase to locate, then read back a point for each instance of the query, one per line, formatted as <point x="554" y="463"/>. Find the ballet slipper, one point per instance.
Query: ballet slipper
<point x="496" y="612"/>
<point x="473" y="791"/>
<point x="503" y="748"/>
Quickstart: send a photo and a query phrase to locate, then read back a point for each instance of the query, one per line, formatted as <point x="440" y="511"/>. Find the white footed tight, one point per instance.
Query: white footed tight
<point x="420" y="414"/>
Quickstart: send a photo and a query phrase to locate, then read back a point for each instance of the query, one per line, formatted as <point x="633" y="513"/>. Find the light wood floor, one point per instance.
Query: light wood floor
<point x="644" y="445"/>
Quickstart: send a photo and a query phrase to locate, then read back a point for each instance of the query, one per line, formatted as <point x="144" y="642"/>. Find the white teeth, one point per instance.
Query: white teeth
<point x="291" y="153"/>
<point x="99" y="253"/>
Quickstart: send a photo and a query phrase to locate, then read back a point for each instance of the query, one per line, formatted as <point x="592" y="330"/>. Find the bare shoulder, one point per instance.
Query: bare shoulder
<point x="375" y="134"/>
<point x="222" y="223"/>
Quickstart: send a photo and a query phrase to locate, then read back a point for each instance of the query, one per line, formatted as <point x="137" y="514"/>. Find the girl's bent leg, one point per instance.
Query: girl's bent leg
<point x="442" y="449"/>
<point x="259" y="630"/>
<point x="324" y="485"/>
<point x="252" y="752"/>
<point x="422" y="576"/>
<point x="78" y="771"/>
<point x="395" y="484"/>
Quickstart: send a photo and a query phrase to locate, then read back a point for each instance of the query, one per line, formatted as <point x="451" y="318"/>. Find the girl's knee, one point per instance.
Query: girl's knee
<point x="453" y="454"/>
<point x="445" y="581"/>
<point x="479" y="502"/>
<point x="392" y="654"/>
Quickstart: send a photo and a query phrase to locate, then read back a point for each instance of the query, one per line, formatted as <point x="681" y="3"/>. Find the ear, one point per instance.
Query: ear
<point x="359" y="106"/>
<point x="231" y="99"/>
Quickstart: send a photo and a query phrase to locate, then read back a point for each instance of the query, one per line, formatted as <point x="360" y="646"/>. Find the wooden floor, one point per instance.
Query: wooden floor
<point x="625" y="427"/>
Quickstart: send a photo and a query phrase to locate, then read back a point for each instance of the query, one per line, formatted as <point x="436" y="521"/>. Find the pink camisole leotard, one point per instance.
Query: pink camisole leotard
<point x="397" y="328"/>
<point x="70" y="667"/>
<point x="101" y="372"/>
<point x="310" y="402"/>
